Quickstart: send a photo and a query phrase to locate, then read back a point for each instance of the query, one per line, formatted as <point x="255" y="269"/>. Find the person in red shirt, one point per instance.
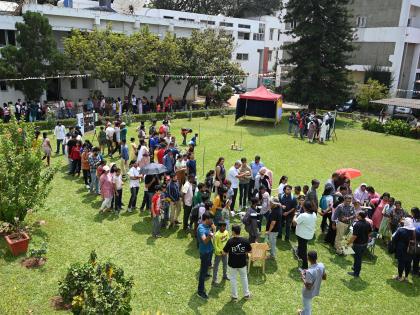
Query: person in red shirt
<point x="161" y="153"/>
<point x="156" y="205"/>
<point x="76" y="158"/>
<point x="169" y="102"/>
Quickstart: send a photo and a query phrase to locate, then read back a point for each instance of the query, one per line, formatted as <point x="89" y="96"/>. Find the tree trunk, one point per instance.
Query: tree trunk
<point x="165" y="84"/>
<point x="187" y="89"/>
<point x="131" y="87"/>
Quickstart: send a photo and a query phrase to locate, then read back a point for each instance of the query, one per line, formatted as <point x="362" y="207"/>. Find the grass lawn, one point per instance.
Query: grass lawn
<point x="165" y="270"/>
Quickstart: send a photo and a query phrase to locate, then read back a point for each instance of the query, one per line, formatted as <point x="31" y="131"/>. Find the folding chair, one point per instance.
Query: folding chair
<point x="258" y="253"/>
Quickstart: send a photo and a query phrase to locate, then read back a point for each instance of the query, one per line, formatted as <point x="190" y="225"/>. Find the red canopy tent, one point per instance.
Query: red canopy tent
<point x="259" y="103"/>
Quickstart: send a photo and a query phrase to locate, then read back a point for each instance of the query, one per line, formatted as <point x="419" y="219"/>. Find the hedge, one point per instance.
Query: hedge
<point x="71" y="122"/>
<point x="394" y="127"/>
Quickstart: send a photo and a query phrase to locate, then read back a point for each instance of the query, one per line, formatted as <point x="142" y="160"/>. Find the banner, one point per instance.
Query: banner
<point x="81" y="122"/>
<point x="89" y="121"/>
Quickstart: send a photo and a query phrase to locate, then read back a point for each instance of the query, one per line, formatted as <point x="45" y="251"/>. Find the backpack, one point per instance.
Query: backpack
<point x="323" y="203"/>
<point x="194" y="212"/>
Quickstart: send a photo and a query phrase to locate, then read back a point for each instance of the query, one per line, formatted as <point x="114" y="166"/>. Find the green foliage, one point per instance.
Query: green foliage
<point x="96" y="288"/>
<point x="241" y="8"/>
<point x="379" y="74"/>
<point x="37" y="55"/>
<point x="111" y="56"/>
<point x="223" y="95"/>
<point x="24" y="178"/>
<point x="394" y="127"/>
<point x="370" y="91"/>
<point x="319" y="56"/>
<point x="40" y="252"/>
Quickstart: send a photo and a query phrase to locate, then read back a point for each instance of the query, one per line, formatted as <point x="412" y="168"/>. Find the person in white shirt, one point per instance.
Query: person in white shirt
<point x="134" y="175"/>
<point x="361" y="194"/>
<point x="305" y="230"/>
<point x="109" y="131"/>
<point x="61" y="108"/>
<point x="60" y="134"/>
<point x="187" y="194"/>
<point x="118" y="190"/>
<point x="233" y="176"/>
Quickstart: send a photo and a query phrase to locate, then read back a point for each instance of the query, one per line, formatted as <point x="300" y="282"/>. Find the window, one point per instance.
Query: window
<point x="270" y="55"/>
<point x="261" y="28"/>
<point x="291" y="25"/>
<point x="115" y="84"/>
<point x="243" y="35"/>
<point x="3" y="41"/>
<point x="208" y="22"/>
<point x="73" y="83"/>
<point x="257" y="36"/>
<point x="168" y="17"/>
<point x="244" y="26"/>
<point x="271" y="33"/>
<point x="11" y="38"/>
<point x="361" y="21"/>
<point x="85" y="83"/>
<point x="243" y="57"/>
<point x="186" y="20"/>
<point x="226" y="24"/>
<point x="3" y="86"/>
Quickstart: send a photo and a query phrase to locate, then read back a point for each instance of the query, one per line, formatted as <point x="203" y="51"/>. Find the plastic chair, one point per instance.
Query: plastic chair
<point x="258" y="253"/>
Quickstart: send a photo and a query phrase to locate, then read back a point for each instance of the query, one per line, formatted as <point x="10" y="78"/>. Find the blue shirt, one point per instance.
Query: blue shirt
<point x="192" y="167"/>
<point x="255" y="168"/>
<point x="124" y="153"/>
<point x="173" y="191"/>
<point x="204" y="229"/>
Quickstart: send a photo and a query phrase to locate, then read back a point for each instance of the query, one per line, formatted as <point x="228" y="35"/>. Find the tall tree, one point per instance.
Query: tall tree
<point x="207" y="53"/>
<point x="36" y="56"/>
<point x="320" y="54"/>
<point x="236" y="8"/>
<point x="114" y="57"/>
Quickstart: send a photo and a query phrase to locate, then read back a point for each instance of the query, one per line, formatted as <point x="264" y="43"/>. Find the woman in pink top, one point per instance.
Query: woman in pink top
<point x="380" y="204"/>
<point x="107" y="189"/>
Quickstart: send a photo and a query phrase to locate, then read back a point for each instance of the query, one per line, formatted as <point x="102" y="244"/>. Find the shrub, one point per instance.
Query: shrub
<point x="370" y="91"/>
<point x="373" y="125"/>
<point x="397" y="128"/>
<point x="96" y="288"/>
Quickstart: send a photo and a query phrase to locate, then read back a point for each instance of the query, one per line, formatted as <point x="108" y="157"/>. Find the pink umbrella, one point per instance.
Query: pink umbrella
<point x="349" y="173"/>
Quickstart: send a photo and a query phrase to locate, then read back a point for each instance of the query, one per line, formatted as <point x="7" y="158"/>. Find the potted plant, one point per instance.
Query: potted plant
<point x="25" y="180"/>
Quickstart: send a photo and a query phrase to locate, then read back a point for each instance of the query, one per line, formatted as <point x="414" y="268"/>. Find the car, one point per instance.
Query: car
<point x="239" y="89"/>
<point x="348" y="106"/>
<point x="402" y="110"/>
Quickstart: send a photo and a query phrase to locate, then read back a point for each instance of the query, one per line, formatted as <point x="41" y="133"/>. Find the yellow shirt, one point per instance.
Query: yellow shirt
<point x="219" y="242"/>
<point x="217" y="203"/>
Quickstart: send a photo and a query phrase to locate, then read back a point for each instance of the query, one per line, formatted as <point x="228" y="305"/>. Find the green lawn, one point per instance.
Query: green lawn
<point x="165" y="270"/>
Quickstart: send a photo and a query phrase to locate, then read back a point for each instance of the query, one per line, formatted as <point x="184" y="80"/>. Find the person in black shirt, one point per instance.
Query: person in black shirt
<point x="359" y="240"/>
<point x="272" y="227"/>
<point x="237" y="248"/>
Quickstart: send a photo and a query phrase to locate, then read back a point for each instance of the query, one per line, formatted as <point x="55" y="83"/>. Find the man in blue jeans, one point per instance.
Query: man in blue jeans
<point x="359" y="240"/>
<point x="205" y="246"/>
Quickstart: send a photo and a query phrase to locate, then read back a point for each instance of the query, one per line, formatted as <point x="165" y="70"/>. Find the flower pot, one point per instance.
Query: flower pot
<point x="17" y="243"/>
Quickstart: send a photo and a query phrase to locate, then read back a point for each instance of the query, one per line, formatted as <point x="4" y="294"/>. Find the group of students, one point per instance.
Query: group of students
<point x="310" y="125"/>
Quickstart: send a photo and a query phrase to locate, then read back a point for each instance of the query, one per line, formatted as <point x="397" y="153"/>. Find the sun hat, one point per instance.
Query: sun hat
<point x="409" y="224"/>
<point x="106" y="168"/>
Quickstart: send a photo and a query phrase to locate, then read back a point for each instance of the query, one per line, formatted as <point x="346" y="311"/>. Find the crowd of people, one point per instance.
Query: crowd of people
<point x="232" y="198"/>
<point x="31" y="111"/>
<point x="312" y="126"/>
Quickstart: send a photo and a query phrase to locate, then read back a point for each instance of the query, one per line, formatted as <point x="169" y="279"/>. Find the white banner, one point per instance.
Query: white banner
<point x="81" y="122"/>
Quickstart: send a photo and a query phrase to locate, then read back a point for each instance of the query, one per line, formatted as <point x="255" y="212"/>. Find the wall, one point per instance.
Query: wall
<point x="379" y="13"/>
<point x="369" y="53"/>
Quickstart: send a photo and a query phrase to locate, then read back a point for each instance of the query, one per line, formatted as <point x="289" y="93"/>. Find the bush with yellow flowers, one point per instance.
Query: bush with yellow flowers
<point x="96" y="288"/>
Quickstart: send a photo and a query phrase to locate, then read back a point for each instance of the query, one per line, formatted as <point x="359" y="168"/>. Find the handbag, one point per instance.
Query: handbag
<point x="414" y="246"/>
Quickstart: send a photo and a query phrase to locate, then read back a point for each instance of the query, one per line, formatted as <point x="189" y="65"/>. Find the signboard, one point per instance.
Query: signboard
<point x="89" y="121"/>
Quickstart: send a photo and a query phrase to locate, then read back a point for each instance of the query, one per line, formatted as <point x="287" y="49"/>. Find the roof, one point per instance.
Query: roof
<point x="401" y="102"/>
<point x="8" y="6"/>
<point x="261" y="94"/>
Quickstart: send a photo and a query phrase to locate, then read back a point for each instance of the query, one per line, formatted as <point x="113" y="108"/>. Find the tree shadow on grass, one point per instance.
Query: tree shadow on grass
<point x="195" y="302"/>
<point x="408" y="289"/>
<point x="340" y="261"/>
<point x="256" y="276"/>
<point x="355" y="284"/>
<point x="192" y="249"/>
<point x="294" y="274"/>
<point x="233" y="308"/>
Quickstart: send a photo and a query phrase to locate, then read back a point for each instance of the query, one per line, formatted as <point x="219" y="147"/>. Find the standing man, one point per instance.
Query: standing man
<point x="134" y="176"/>
<point x="187" y="198"/>
<point x="60" y="134"/>
<point x="94" y="160"/>
<point x="234" y="177"/>
<point x="237" y="248"/>
<point x="344" y="215"/>
<point x="245" y="171"/>
<point x="272" y="227"/>
<point x="255" y="169"/>
<point x="359" y="240"/>
<point x="312" y="195"/>
<point x="289" y="205"/>
<point x="174" y="196"/>
<point x="205" y="247"/>
<point x="311" y="279"/>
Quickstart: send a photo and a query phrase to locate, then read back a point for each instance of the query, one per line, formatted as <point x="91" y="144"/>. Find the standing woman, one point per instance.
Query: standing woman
<point x="402" y="239"/>
<point x="143" y="157"/>
<point x="378" y="205"/>
<point x="220" y="172"/>
<point x="384" y="230"/>
<point x="305" y="230"/>
<point x="107" y="189"/>
<point x="282" y="184"/>
<point x="396" y="216"/>
<point x="46" y="147"/>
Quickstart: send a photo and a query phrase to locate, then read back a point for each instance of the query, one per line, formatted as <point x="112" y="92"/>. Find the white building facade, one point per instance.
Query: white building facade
<point x="255" y="49"/>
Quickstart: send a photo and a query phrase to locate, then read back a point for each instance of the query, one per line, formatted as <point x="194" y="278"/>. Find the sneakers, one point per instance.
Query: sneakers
<point x="129" y="210"/>
<point x="226" y="278"/>
<point x="234" y="299"/>
<point x="203" y="295"/>
<point x="87" y="187"/>
<point x="247" y="297"/>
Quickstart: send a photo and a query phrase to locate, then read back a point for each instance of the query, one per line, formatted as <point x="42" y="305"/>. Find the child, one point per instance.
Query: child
<point x="229" y="194"/>
<point x="75" y="156"/>
<point x="118" y="185"/>
<point x="102" y="140"/>
<point x="164" y="206"/>
<point x="85" y="165"/>
<point x="191" y="165"/>
<point x="226" y="217"/>
<point x="193" y="140"/>
<point x="220" y="239"/>
<point x="156" y="206"/>
<point x="124" y="158"/>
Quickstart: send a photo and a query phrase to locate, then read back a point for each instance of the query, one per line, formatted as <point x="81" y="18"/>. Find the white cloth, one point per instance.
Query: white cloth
<point x="109" y="133"/>
<point x="60" y="132"/>
<point x="117" y="131"/>
<point x="117" y="180"/>
<point x="233" y="172"/>
<point x="106" y="204"/>
<point x="323" y="132"/>
<point x="233" y="273"/>
<point x="281" y="188"/>
<point x="187" y="190"/>
<point x="133" y="172"/>
<point x="305" y="227"/>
